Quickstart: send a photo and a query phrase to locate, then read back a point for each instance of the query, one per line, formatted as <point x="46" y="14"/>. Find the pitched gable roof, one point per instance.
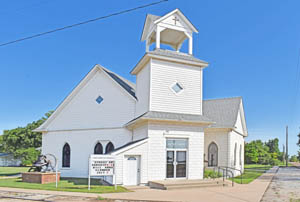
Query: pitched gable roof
<point x="168" y="116"/>
<point x="154" y="19"/>
<point x="125" y="85"/>
<point x="224" y="112"/>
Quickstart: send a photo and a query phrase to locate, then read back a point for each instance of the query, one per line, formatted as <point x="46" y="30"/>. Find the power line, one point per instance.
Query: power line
<point x="82" y="23"/>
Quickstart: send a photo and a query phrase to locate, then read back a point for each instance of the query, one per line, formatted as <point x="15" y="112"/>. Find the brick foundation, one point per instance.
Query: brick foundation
<point x="41" y="178"/>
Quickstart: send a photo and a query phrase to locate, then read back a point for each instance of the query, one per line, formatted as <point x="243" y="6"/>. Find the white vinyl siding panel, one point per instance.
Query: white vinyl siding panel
<point x="157" y="149"/>
<point x="82" y="145"/>
<point x="163" y="75"/>
<point x="221" y="140"/>
<point x="83" y="112"/>
<point x="140" y="132"/>
<point x="143" y="90"/>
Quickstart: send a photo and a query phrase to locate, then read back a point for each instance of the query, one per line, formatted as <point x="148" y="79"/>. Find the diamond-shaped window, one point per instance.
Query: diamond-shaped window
<point x="99" y="99"/>
<point x="177" y="88"/>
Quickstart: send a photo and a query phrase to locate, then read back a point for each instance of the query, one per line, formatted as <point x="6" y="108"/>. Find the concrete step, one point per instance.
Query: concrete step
<point x="139" y="187"/>
<point x="168" y="185"/>
<point x="195" y="186"/>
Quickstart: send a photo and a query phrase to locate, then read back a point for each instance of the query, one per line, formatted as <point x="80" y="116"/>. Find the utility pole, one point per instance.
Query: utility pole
<point x="286" y="147"/>
<point x="283" y="155"/>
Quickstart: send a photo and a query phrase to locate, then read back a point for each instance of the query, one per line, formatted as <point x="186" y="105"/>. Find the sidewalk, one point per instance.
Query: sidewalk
<point x="247" y="192"/>
<point x="59" y="193"/>
<point x="252" y="192"/>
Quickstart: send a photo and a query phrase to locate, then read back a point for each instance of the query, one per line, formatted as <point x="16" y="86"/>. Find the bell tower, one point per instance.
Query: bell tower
<point x="169" y="81"/>
<point x="171" y="29"/>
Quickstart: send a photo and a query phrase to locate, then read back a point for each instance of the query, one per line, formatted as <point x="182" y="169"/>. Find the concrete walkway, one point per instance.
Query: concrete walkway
<point x="252" y="192"/>
<point x="60" y="193"/>
<point x="248" y="192"/>
<point x="285" y="186"/>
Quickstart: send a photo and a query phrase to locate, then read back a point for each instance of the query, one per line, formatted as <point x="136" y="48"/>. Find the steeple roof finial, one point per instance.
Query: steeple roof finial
<point x="171" y="29"/>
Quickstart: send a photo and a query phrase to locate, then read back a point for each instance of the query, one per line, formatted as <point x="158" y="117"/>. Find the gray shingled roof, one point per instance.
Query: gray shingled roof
<point x="128" y="144"/>
<point x="152" y="18"/>
<point x="222" y="111"/>
<point x="167" y="116"/>
<point x="127" y="85"/>
<point x="175" y="54"/>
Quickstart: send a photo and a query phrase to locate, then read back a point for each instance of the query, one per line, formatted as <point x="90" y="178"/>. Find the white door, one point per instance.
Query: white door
<point x="132" y="170"/>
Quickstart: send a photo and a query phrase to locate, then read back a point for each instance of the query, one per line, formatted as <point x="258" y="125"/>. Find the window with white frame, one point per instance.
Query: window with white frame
<point x="99" y="99"/>
<point x="177" y="88"/>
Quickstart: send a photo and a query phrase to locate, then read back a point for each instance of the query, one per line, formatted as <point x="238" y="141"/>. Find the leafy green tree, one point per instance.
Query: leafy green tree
<point x="294" y="158"/>
<point x="258" y="152"/>
<point x="273" y="145"/>
<point x="255" y="152"/>
<point x="22" y="141"/>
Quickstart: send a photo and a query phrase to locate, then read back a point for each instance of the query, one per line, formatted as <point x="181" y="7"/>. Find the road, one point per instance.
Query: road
<point x="285" y="186"/>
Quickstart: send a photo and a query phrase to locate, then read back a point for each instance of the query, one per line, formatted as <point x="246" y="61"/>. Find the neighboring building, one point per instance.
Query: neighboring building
<point x="160" y="127"/>
<point x="9" y="160"/>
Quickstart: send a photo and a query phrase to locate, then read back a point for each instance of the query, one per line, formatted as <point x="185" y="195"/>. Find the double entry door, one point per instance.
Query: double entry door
<point x="176" y="164"/>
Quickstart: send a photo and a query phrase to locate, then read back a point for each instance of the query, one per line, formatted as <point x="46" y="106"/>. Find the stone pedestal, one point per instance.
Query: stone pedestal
<point x="41" y="178"/>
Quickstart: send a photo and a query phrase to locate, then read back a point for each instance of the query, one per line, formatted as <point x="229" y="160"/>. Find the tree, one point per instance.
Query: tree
<point x="262" y="153"/>
<point x="22" y="141"/>
<point x="294" y="158"/>
<point x="273" y="145"/>
<point x="256" y="152"/>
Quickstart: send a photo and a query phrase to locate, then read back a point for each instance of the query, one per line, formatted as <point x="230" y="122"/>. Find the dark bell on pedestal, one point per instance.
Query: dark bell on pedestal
<point x="42" y="164"/>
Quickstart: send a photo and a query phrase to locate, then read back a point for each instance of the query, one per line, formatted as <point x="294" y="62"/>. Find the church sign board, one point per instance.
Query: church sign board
<point x="101" y="165"/>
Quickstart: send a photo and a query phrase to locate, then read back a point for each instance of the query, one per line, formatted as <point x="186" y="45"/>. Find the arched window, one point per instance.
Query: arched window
<point x="235" y="148"/>
<point x="240" y="154"/>
<point x="109" y="148"/>
<point x="66" y="156"/>
<point x="98" y="148"/>
<point x="213" y="154"/>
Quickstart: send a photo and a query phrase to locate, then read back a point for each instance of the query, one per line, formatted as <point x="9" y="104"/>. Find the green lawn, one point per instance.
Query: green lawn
<point x="78" y="185"/>
<point x="258" y="166"/>
<point x="250" y="175"/>
<point x="8" y="171"/>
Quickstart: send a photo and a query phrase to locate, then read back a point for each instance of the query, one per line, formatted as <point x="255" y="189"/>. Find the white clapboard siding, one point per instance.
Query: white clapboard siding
<point x="163" y="75"/>
<point x="157" y="149"/>
<point x="221" y="139"/>
<point x="83" y="112"/>
<point x="82" y="145"/>
<point x="143" y="90"/>
<point x="140" y="132"/>
<point x="237" y="139"/>
<point x="142" y="152"/>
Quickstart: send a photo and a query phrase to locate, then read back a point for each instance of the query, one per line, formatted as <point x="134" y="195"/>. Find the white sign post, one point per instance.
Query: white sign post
<point x="101" y="165"/>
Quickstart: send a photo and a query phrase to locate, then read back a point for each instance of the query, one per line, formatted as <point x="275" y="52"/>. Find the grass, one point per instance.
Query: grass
<point x="258" y="166"/>
<point x="9" y="171"/>
<point x="72" y="185"/>
<point x="211" y="174"/>
<point x="250" y="175"/>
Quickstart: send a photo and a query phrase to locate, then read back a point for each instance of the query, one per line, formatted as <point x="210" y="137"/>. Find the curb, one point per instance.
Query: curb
<point x="270" y="182"/>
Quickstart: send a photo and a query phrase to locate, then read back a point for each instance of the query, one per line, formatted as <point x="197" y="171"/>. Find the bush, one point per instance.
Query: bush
<point x="211" y="174"/>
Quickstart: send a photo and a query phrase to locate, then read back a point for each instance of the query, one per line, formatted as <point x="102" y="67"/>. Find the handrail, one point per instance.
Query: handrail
<point x="226" y="170"/>
<point x="241" y="172"/>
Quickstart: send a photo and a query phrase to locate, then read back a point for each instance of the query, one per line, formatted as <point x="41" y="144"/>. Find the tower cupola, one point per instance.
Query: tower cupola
<point x="171" y="29"/>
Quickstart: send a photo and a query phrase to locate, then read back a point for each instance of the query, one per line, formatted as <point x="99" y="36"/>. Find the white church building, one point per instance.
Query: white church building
<point x="158" y="128"/>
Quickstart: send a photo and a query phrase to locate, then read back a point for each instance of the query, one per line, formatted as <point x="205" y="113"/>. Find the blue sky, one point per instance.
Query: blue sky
<point x="252" y="48"/>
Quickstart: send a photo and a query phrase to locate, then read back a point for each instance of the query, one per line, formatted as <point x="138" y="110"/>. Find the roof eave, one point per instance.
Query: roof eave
<point x="147" y="56"/>
<point x="193" y="28"/>
<point x="131" y="125"/>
